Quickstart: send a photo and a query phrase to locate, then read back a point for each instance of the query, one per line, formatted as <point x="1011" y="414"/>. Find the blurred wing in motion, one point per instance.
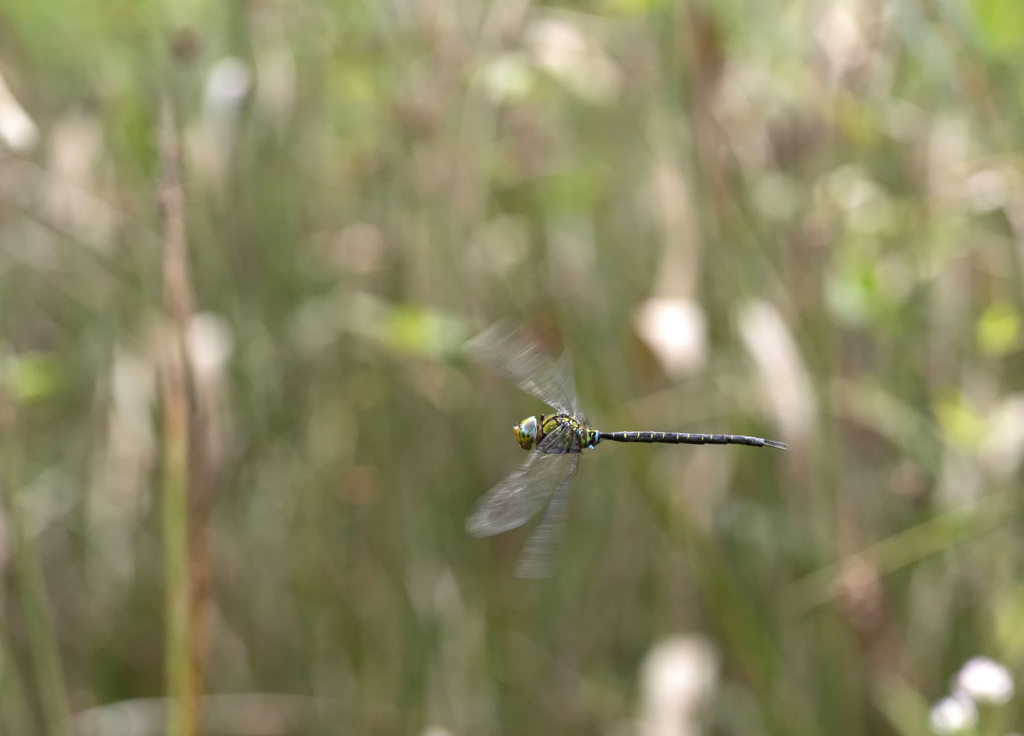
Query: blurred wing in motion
<point x="539" y="552"/>
<point x="510" y="352"/>
<point x="520" y="497"/>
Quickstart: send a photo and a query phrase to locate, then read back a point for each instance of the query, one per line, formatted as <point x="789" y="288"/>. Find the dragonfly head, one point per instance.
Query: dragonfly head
<point x="526" y="432"/>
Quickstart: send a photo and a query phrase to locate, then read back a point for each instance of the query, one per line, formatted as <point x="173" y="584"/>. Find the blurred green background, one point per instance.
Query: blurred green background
<point x="799" y="220"/>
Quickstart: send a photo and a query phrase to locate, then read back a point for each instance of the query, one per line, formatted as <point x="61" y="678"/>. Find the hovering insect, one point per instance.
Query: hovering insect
<point x="554" y="441"/>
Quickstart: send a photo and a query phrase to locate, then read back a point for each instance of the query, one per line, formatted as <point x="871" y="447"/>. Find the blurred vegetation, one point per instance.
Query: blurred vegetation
<point x="798" y="220"/>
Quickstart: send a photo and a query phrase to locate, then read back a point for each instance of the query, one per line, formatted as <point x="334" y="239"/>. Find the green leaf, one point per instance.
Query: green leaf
<point x="1000" y="25"/>
<point x="34" y="376"/>
<point x="998" y="329"/>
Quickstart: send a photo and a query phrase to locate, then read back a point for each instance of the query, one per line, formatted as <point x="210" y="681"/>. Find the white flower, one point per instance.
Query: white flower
<point x="985" y="681"/>
<point x="953" y="714"/>
<point x="17" y="129"/>
<point x="676" y="332"/>
<point x="678" y="678"/>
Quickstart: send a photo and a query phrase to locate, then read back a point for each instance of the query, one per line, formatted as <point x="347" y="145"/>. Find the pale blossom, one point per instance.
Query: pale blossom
<point x="953" y="714"/>
<point x="678" y="678"/>
<point x="985" y="681"/>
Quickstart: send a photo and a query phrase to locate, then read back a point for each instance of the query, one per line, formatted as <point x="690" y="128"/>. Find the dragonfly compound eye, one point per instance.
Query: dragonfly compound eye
<point x="526" y="432"/>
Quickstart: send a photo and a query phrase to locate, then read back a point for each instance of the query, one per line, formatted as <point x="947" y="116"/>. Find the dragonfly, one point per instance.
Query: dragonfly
<point x="555" y="442"/>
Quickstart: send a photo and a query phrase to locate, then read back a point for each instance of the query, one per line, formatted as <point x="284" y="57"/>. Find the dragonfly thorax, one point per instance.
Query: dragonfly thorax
<point x="555" y="434"/>
<point x="526" y="432"/>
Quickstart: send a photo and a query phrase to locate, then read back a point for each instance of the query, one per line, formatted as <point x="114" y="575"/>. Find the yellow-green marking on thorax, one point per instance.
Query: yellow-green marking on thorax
<point x="532" y="430"/>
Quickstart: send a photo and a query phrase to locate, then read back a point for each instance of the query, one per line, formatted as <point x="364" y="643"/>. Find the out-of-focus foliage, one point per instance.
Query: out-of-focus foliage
<point x="800" y="220"/>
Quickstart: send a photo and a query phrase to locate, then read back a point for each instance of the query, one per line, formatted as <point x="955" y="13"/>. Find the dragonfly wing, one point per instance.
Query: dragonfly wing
<point x="519" y="497"/>
<point x="510" y="352"/>
<point x="539" y="552"/>
<point x="565" y="383"/>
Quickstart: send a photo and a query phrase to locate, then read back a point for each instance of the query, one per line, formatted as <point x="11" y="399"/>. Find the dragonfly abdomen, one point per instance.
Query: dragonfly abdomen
<point x="686" y="438"/>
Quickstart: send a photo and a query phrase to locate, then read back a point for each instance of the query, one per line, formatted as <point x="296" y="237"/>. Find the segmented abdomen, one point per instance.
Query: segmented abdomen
<point x="683" y="438"/>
